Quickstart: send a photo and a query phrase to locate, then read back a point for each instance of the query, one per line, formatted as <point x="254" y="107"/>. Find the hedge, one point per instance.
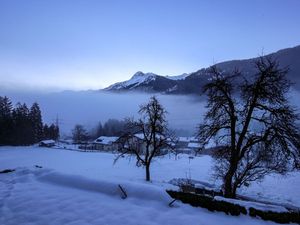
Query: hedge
<point x="208" y="202"/>
<point x="278" y="217"/>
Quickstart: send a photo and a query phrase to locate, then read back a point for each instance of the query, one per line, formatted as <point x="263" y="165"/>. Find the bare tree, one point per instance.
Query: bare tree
<point x="255" y="123"/>
<point x="147" y="137"/>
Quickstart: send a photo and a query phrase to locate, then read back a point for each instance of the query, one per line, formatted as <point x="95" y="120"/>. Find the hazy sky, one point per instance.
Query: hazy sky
<point x="91" y="44"/>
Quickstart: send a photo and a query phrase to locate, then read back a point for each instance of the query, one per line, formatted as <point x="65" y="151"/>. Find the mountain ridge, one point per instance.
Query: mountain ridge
<point x="191" y="83"/>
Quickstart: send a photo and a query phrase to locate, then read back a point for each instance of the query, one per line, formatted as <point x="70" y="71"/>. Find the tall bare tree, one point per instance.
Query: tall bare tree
<point x="253" y="120"/>
<point x="147" y="137"/>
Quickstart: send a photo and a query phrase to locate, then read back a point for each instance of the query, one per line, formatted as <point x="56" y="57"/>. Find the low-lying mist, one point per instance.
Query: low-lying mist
<point x="90" y="107"/>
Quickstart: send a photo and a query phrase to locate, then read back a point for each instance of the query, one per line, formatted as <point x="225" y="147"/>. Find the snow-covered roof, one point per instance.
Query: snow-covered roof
<point x="187" y="139"/>
<point x="46" y="142"/>
<point x="194" y="145"/>
<point x="141" y="136"/>
<point x="106" y="140"/>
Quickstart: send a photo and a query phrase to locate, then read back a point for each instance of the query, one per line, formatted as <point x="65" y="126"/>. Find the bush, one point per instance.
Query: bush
<point x="278" y="217"/>
<point x="208" y="203"/>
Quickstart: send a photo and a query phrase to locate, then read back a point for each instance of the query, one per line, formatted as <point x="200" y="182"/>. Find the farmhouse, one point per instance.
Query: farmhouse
<point x="138" y="142"/>
<point x="106" y="143"/>
<point x="135" y="141"/>
<point x="187" y="145"/>
<point x="47" y="143"/>
<point x="194" y="146"/>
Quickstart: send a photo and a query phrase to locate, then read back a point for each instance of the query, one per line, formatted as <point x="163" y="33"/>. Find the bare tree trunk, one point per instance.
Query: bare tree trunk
<point x="147" y="172"/>
<point x="230" y="191"/>
<point x="234" y="188"/>
<point x="228" y="185"/>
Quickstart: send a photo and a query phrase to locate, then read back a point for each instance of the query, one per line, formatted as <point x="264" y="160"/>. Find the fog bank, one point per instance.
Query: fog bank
<point x="90" y="107"/>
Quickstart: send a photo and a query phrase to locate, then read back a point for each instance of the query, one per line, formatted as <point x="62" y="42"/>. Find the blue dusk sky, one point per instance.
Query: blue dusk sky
<point x="79" y="45"/>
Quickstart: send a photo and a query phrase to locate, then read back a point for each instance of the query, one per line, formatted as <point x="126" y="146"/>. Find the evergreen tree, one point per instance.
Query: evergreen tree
<point x="22" y="129"/>
<point x="99" y="131"/>
<point x="53" y="132"/>
<point x="56" y="132"/>
<point x="5" y="121"/>
<point x="46" y="131"/>
<point x="36" y="122"/>
<point x="21" y="126"/>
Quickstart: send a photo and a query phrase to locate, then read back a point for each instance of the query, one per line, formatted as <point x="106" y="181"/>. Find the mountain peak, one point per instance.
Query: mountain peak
<point x="140" y="74"/>
<point x="137" y="79"/>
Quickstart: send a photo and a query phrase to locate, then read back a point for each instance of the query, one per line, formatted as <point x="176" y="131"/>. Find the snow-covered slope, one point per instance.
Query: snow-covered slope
<point x="137" y="79"/>
<point x="178" y="77"/>
<point x="140" y="78"/>
<point x="85" y="190"/>
<point x="148" y="82"/>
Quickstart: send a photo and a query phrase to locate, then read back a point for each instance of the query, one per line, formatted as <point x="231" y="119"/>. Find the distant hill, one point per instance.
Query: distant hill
<point x="192" y="83"/>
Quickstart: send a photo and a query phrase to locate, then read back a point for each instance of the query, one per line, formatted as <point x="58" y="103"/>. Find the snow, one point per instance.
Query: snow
<point x="174" y="88"/>
<point x="142" y="78"/>
<point x="187" y="139"/>
<point x="194" y="145"/>
<point x="106" y="140"/>
<point x="137" y="79"/>
<point x="141" y="136"/>
<point x="48" y="142"/>
<point x="179" y="77"/>
<point x="195" y="183"/>
<point x="256" y="205"/>
<point x="82" y="188"/>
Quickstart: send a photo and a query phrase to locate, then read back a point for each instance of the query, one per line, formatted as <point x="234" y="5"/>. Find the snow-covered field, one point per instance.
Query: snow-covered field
<point x="82" y="188"/>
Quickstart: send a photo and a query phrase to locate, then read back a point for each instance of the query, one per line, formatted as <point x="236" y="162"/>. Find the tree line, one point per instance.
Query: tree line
<point x="21" y="125"/>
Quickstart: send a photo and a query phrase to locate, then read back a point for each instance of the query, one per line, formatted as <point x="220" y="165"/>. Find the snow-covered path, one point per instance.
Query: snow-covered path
<point x="82" y="188"/>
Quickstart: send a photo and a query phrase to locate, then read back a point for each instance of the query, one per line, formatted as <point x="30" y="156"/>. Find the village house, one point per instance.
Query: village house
<point x="105" y="143"/>
<point x="137" y="141"/>
<point x="133" y="141"/>
<point x="47" y="143"/>
<point x="187" y="145"/>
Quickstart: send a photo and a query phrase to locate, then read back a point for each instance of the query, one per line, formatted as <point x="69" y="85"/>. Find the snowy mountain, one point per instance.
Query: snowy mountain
<point x="137" y="79"/>
<point x="192" y="83"/>
<point x="140" y="81"/>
